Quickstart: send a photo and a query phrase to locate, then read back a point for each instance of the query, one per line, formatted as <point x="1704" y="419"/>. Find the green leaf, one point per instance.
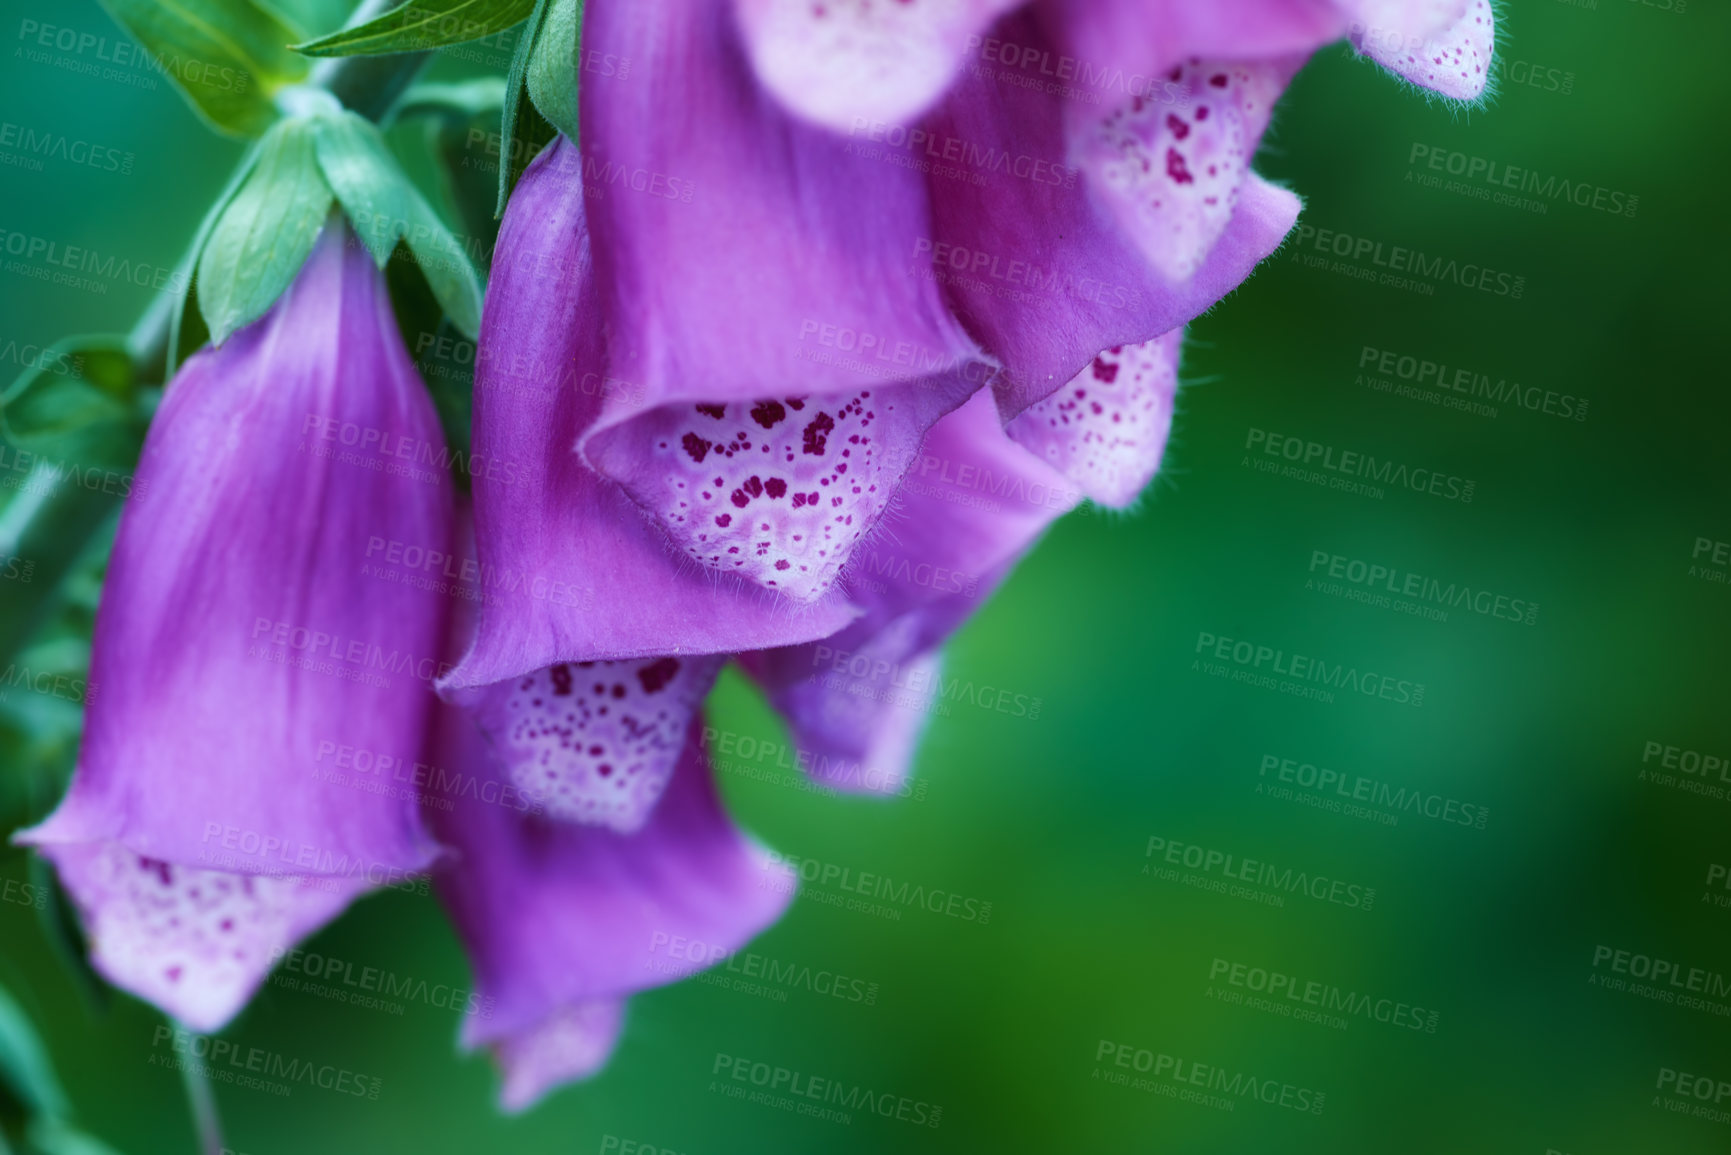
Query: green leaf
<point x="80" y="402"/>
<point x="385" y="207"/>
<point x="553" y="65"/>
<point x="516" y="103"/>
<point x="228" y="57"/>
<point x="25" y="1069"/>
<point x="266" y="232"/>
<point x="419" y="25"/>
<point x="183" y="339"/>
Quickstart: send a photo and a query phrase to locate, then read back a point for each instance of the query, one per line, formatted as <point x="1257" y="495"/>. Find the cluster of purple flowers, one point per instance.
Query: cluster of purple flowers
<point x="834" y="308"/>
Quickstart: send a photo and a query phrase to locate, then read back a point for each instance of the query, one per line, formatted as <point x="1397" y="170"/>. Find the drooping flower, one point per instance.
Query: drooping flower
<point x="563" y="922"/>
<point x="242" y="644"/>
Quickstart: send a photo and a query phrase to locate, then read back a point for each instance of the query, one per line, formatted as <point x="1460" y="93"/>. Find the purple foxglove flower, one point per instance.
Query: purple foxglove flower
<point x="758" y="280"/>
<point x="573" y="569"/>
<point x="562" y="922"/>
<point x="856" y="701"/>
<point x="241" y="642"/>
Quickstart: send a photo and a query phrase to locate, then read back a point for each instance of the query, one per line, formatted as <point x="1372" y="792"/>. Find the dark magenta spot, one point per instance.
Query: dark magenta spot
<point x="1104" y="370"/>
<point x="715" y="411"/>
<point x="696" y="446"/>
<point x="1180" y="130"/>
<point x="1176" y="169"/>
<point x="768" y="413"/>
<point x="561" y="680"/>
<point x="657" y="674"/>
<point x="817" y="433"/>
<point x="775" y="487"/>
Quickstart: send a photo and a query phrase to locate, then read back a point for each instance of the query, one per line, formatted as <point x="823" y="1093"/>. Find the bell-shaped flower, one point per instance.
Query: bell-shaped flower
<point x="759" y="281"/>
<point x="246" y="640"/>
<point x="563" y="922"/>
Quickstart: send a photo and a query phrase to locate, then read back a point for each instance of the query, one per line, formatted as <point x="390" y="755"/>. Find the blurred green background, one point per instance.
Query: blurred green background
<point x="1544" y="726"/>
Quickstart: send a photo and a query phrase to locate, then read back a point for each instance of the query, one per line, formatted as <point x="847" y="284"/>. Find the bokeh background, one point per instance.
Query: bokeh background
<point x="1001" y="1023"/>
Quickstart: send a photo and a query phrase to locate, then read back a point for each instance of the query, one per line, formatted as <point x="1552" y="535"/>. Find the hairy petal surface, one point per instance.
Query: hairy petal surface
<point x="242" y="637"/>
<point x="196" y="943"/>
<point x="836" y="62"/>
<point x="1170" y="172"/>
<point x="1106" y="430"/>
<point x="572" y="569"/>
<point x="764" y="261"/>
<point x="1443" y="45"/>
<point x="1040" y="270"/>
<point x="596" y="742"/>
<point x="562" y="922"/>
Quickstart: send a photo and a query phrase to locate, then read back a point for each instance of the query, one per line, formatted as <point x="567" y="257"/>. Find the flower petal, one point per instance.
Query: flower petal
<point x="196" y="943"/>
<point x="1106" y="429"/>
<point x="596" y="742"/>
<point x="1170" y="173"/>
<point x="1442" y="45"/>
<point x="746" y="258"/>
<point x="569" y="1045"/>
<point x="832" y="61"/>
<point x="240" y="632"/>
<point x="570" y="568"/>
<point x="856" y="702"/>
<point x="557" y="916"/>
<point x="1122" y="48"/>
<point x="1040" y="271"/>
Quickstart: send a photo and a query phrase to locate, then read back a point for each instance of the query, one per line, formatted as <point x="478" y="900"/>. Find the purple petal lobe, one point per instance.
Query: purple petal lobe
<point x="196" y="943"/>
<point x="572" y="569"/>
<point x="557" y="917"/>
<point x="245" y="635"/>
<point x="1445" y="47"/>
<point x="596" y="742"/>
<point x="1169" y="173"/>
<point x="571" y="1044"/>
<point x="837" y="60"/>
<point x="1107" y="428"/>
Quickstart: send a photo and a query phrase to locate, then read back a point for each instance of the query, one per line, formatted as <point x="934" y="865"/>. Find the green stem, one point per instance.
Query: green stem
<point x="201" y="1102"/>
